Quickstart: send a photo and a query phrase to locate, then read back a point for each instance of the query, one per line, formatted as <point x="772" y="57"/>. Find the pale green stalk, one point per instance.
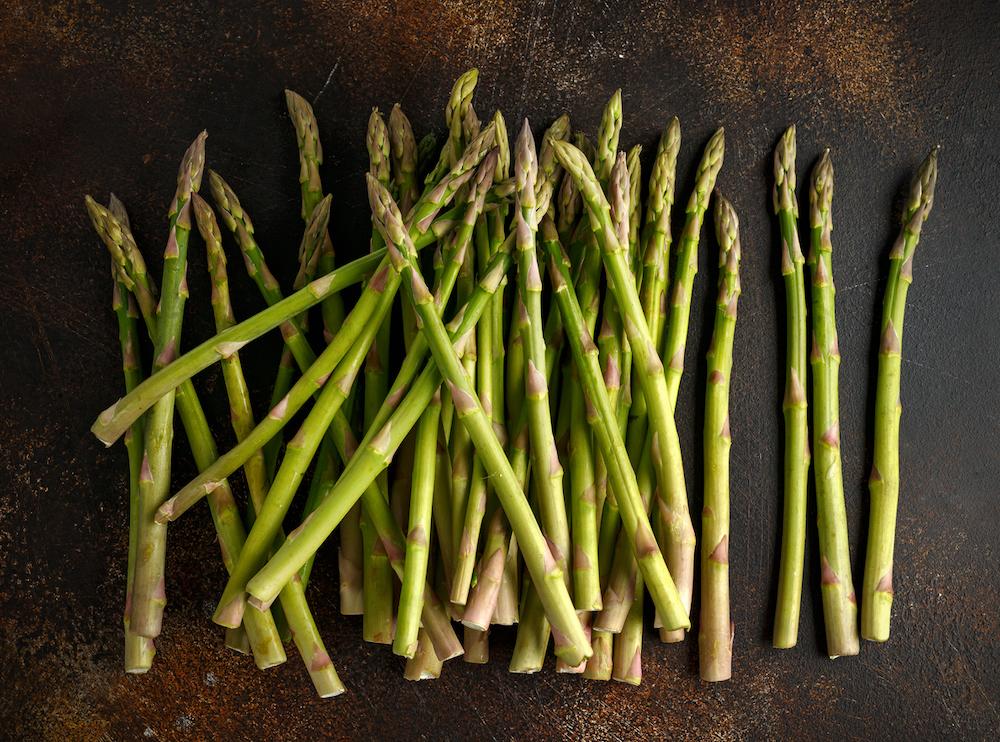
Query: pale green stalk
<point x="794" y="405"/>
<point x="715" y="629"/>
<point x="876" y="587"/>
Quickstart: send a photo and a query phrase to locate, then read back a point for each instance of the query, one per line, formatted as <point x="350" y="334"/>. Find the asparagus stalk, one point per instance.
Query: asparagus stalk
<point x="655" y="253"/>
<point x="682" y="539"/>
<point x="571" y="642"/>
<point x="149" y="586"/>
<point x="650" y="372"/>
<point x="547" y="471"/>
<point x="796" y="471"/>
<point x="608" y="134"/>
<point x="139" y="650"/>
<point x="293" y="600"/>
<point x="617" y="598"/>
<point x="840" y="610"/>
<point x="261" y="631"/>
<point x="377" y="624"/>
<point x="608" y="437"/>
<point x="876" y="589"/>
<point x="424" y="664"/>
<point x="715" y="633"/>
<point x="455" y="113"/>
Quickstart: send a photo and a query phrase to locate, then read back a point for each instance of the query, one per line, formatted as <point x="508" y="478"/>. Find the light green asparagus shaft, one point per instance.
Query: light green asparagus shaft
<point x="139" y="650"/>
<point x="149" y="586"/>
<point x="715" y="629"/>
<point x="794" y="406"/>
<point x="883" y="484"/>
<point x="418" y="535"/>
<point x="293" y="601"/>
<point x="377" y="621"/>
<point x="840" y="610"/>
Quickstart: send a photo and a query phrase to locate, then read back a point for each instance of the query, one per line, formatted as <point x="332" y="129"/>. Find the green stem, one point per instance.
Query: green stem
<point x="794" y="405"/>
<point x="876" y="587"/>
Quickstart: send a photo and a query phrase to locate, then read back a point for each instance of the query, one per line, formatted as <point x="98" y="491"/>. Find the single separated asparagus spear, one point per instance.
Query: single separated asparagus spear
<point x="608" y="437"/>
<point x="715" y="631"/>
<point x="793" y="529"/>
<point x="139" y="650"/>
<point x="571" y="641"/>
<point x="650" y="372"/>
<point x="840" y="609"/>
<point x="261" y="631"/>
<point x="876" y="587"/>
<point x="293" y="599"/>
<point x="149" y="588"/>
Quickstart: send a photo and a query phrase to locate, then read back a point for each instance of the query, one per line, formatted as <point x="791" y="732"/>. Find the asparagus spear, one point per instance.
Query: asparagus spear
<point x="293" y="600"/>
<point x="876" y="590"/>
<point x="655" y="249"/>
<point x="840" y="610"/>
<point x="715" y="633"/>
<point x="148" y="590"/>
<point x="608" y="436"/>
<point x="454" y="115"/>
<point x="403" y="150"/>
<point x="793" y="532"/>
<point x="139" y="650"/>
<point x="262" y="633"/>
<point x="682" y="539"/>
<point x="627" y="657"/>
<point x="424" y="664"/>
<point x="650" y="372"/>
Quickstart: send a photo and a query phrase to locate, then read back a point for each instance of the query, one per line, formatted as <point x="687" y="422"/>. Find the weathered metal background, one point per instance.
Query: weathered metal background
<point x="100" y="96"/>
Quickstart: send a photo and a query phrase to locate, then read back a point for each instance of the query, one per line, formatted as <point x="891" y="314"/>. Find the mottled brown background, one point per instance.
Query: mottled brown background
<point x="100" y="96"/>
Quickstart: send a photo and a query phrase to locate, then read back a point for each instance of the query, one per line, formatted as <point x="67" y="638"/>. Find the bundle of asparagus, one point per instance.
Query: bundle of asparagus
<point x="504" y="460"/>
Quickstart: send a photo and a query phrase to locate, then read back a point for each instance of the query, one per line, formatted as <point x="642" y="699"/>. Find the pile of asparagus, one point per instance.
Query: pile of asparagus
<point x="434" y="439"/>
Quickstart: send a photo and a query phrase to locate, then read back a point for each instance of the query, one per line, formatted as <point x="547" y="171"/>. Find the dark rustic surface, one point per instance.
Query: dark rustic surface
<point x="103" y="96"/>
